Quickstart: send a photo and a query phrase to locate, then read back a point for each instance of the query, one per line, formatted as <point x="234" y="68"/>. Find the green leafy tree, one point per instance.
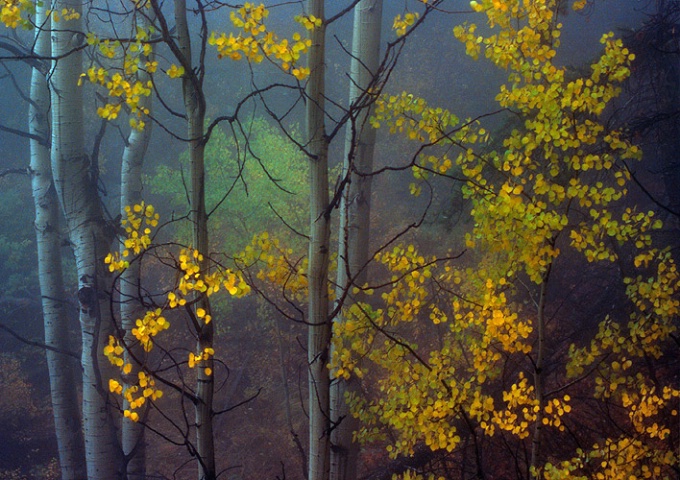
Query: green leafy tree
<point x="255" y="182"/>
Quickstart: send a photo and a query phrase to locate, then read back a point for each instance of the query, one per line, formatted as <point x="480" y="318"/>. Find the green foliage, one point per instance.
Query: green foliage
<point x="17" y="239"/>
<point x="252" y="178"/>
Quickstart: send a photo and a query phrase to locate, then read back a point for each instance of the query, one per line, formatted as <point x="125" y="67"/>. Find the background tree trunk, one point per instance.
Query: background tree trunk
<point x="355" y="211"/>
<point x="194" y="103"/>
<point x="63" y="370"/>
<point x="132" y="433"/>
<point x="319" y="326"/>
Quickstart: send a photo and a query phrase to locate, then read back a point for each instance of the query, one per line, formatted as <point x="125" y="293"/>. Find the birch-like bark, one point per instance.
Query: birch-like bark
<point x="77" y="192"/>
<point x="132" y="433"/>
<point x="319" y="326"/>
<point x="355" y="210"/>
<point x="63" y="370"/>
<point x="194" y="103"/>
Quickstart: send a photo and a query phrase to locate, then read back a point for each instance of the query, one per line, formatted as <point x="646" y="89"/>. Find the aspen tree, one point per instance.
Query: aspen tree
<point x="556" y="186"/>
<point x="75" y="183"/>
<point x="133" y="438"/>
<point x="62" y="370"/>
<point x="319" y="327"/>
<point x="355" y="210"/>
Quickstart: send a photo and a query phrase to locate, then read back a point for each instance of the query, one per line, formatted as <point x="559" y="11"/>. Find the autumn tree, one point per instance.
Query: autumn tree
<point x="553" y="192"/>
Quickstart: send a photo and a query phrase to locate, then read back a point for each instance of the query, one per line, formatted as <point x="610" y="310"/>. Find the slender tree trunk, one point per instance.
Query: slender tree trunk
<point x="75" y="184"/>
<point x="539" y="377"/>
<point x="132" y="433"/>
<point x="286" y="398"/>
<point x="319" y="329"/>
<point x="194" y="102"/>
<point x="355" y="212"/>
<point x="63" y="370"/>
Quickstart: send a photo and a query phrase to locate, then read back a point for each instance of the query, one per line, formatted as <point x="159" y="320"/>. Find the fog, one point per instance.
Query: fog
<point x="257" y="163"/>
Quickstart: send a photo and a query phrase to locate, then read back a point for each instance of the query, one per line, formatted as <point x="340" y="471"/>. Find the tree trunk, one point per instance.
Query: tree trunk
<point x="319" y="326"/>
<point x="63" y="370"/>
<point x="355" y="212"/>
<point x="132" y="433"/>
<point x="74" y="179"/>
<point x="194" y="103"/>
<point x="539" y="378"/>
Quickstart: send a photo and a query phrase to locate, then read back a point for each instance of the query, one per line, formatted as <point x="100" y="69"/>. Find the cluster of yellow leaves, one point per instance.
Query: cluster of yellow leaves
<point x="633" y="227"/>
<point x="190" y="280"/>
<point x="354" y="338"/>
<point x="276" y="265"/>
<point x="645" y="403"/>
<point x="255" y="42"/>
<point x="412" y="270"/>
<point x="412" y="474"/>
<point x="402" y="24"/>
<point x="521" y="412"/>
<point x="657" y="305"/>
<point x="417" y="401"/>
<point x="484" y="309"/>
<point x="622" y="457"/>
<point x="523" y="196"/>
<point x="193" y="280"/>
<point x="175" y="71"/>
<point x="652" y="323"/>
<point x="137" y="239"/>
<point x="412" y="117"/>
<point x="204" y="356"/>
<point x="65" y="14"/>
<point x="122" y="82"/>
<point x="11" y="12"/>
<point x="148" y="327"/>
<point x="421" y="398"/>
<point x="136" y="395"/>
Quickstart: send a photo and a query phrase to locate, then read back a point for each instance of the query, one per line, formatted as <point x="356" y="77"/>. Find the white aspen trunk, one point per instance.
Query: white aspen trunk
<point x="77" y="194"/>
<point x="319" y="326"/>
<point x="194" y="103"/>
<point x="355" y="210"/>
<point x="132" y="433"/>
<point x="63" y="370"/>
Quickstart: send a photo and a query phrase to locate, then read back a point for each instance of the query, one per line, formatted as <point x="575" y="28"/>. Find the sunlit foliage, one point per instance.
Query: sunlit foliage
<point x="190" y="281"/>
<point x="255" y="42"/>
<point x="118" y="73"/>
<point x="123" y="60"/>
<point x="554" y="187"/>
